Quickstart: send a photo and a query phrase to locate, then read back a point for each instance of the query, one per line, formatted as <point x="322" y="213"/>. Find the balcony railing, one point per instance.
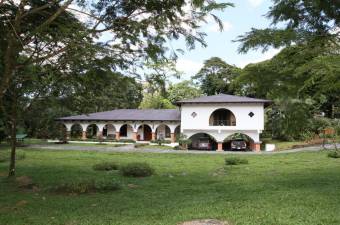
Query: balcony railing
<point x="223" y="123"/>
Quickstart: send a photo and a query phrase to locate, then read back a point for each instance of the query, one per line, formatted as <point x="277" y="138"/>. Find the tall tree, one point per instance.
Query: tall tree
<point x="42" y="30"/>
<point x="183" y="90"/>
<point x="298" y="72"/>
<point x="216" y="76"/>
<point x="155" y="101"/>
<point x="159" y="76"/>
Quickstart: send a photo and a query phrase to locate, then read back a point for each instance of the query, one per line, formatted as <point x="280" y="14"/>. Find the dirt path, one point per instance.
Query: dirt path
<point x="130" y="148"/>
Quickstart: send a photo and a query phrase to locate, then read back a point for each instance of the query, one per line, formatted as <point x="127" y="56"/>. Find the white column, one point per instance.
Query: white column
<point x="100" y="129"/>
<point x="68" y="126"/>
<point x="172" y="127"/>
<point x="68" y="130"/>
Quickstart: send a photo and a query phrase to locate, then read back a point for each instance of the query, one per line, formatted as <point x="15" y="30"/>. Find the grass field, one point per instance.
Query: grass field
<point x="281" y="189"/>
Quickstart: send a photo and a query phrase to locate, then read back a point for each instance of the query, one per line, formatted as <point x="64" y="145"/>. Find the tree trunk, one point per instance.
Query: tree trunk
<point x="11" y="171"/>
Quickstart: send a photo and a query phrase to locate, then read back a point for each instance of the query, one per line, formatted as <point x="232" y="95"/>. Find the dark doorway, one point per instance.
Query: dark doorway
<point x="147" y="133"/>
<point x="202" y="141"/>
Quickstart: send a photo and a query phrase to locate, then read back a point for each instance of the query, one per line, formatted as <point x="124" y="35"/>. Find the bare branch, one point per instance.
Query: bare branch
<point x="38" y="9"/>
<point x="55" y="15"/>
<point x="85" y="13"/>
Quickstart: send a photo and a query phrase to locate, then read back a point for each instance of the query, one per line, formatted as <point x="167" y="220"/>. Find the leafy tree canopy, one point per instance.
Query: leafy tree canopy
<point x="155" y="101"/>
<point x="216" y="76"/>
<point x="296" y="21"/>
<point x="183" y="90"/>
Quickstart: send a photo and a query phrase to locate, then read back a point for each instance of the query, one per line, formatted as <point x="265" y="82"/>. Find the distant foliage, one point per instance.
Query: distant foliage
<point x="137" y="170"/>
<point x="183" y="90"/>
<point x="290" y="119"/>
<point x="155" y="101"/>
<point x="235" y="161"/>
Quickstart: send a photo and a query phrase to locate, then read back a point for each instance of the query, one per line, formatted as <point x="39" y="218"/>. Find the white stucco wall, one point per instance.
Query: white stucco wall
<point x="252" y="126"/>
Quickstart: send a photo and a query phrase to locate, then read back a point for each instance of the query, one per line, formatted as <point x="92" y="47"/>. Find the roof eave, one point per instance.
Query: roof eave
<point x="223" y="102"/>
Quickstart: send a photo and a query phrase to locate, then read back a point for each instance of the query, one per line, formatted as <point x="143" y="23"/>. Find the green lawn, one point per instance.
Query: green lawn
<point x="281" y="189"/>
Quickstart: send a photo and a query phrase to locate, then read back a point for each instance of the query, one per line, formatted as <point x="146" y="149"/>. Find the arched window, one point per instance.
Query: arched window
<point x="222" y="117"/>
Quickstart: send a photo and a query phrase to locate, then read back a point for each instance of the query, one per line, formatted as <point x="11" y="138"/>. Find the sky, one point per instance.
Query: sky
<point x="237" y="21"/>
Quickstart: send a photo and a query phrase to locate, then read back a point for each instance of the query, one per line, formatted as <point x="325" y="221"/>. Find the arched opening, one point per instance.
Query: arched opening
<point x="109" y="132"/>
<point x="163" y="132"/>
<point x="202" y="141"/>
<point x="126" y="131"/>
<point x="91" y="131"/>
<point x="178" y="132"/>
<point x="238" y="142"/>
<point x="222" y="117"/>
<point x="76" y="131"/>
<point x="144" y="133"/>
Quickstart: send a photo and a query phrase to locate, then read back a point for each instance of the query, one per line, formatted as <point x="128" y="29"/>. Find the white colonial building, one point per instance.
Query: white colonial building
<point x="216" y="118"/>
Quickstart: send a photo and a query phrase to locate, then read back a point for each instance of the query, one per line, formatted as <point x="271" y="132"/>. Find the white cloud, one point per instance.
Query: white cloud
<point x="265" y="56"/>
<point x="215" y="28"/>
<point x="255" y="3"/>
<point x="188" y="67"/>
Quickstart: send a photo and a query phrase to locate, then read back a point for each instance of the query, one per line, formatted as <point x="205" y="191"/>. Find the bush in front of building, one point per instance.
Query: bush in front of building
<point x="161" y="141"/>
<point x="184" y="141"/>
<point x="137" y="169"/>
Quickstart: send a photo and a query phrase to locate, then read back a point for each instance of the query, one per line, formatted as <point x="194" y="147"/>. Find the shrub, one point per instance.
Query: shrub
<point x="184" y="141"/>
<point x="235" y="161"/>
<point x="107" y="166"/>
<point x="137" y="170"/>
<point x="82" y="187"/>
<point x="334" y="154"/>
<point x="161" y="141"/>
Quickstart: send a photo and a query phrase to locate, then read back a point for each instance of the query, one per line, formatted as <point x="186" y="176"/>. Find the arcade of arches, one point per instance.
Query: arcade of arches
<point x="128" y="130"/>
